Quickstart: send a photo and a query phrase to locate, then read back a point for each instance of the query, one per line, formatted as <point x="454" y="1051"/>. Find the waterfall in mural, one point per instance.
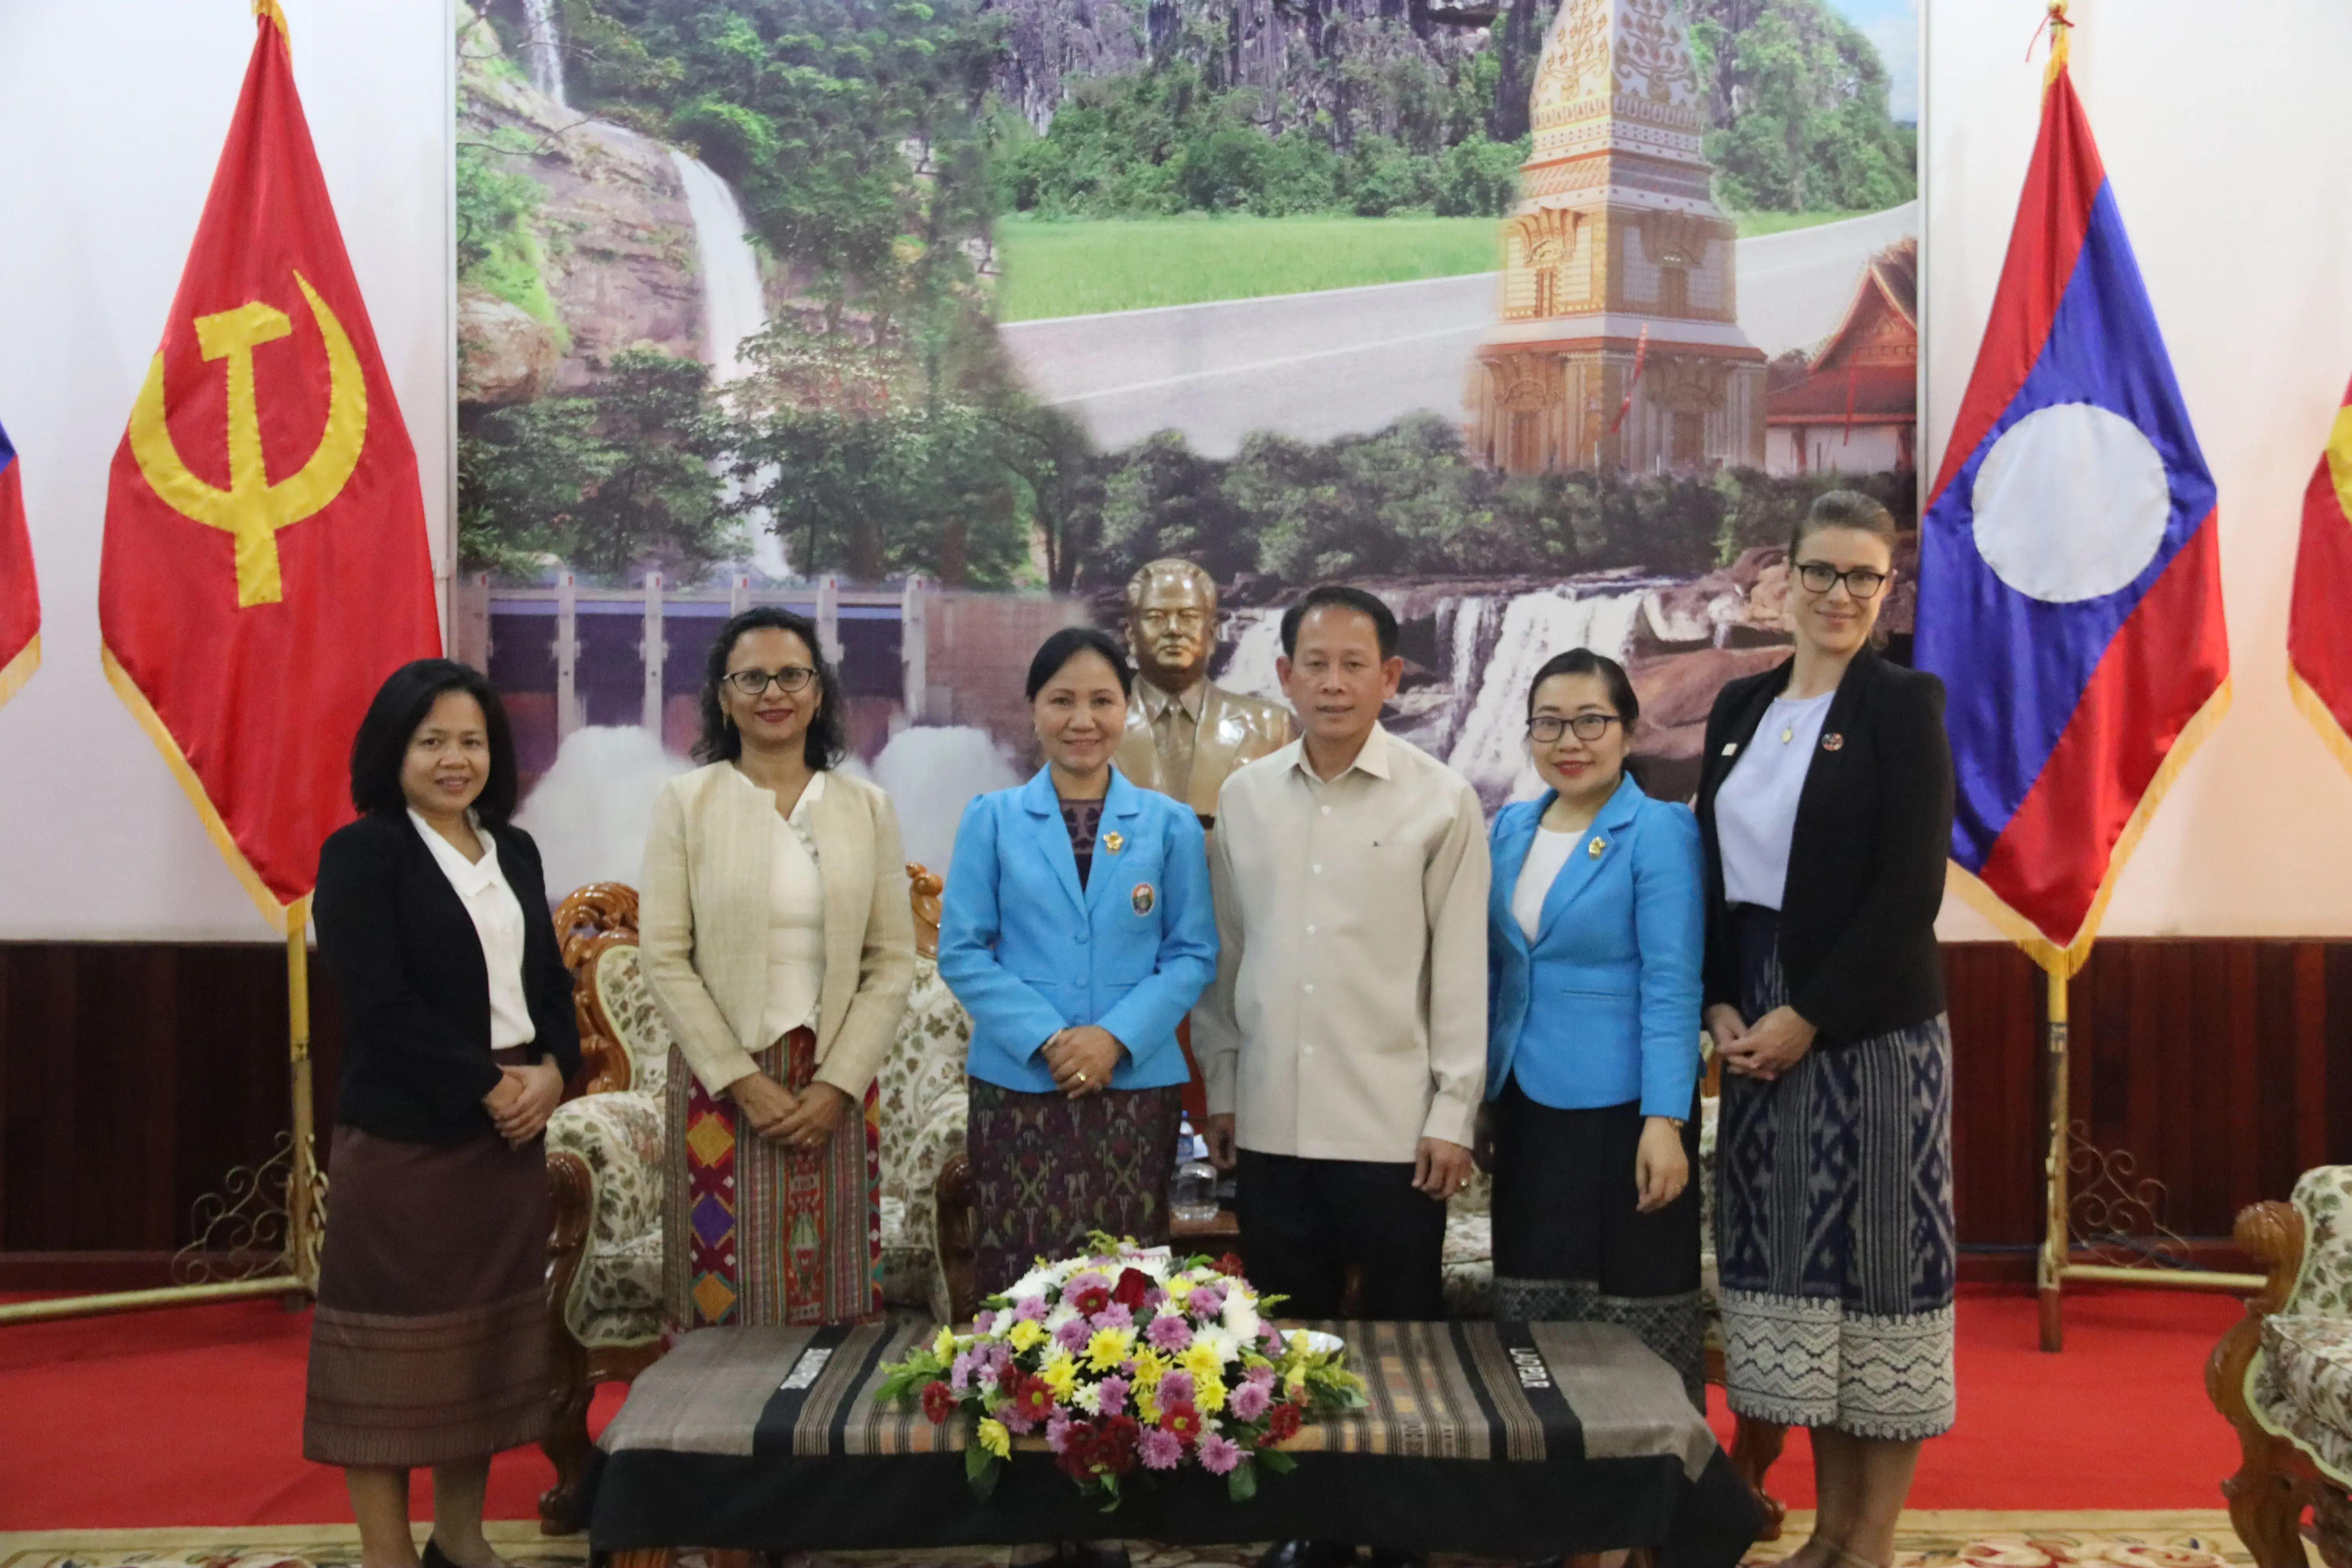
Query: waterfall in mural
<point x="734" y="305"/>
<point x="1491" y="749"/>
<point x="542" y="47"/>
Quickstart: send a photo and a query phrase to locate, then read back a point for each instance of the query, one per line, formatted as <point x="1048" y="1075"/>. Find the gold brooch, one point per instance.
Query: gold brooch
<point x="1114" y="842"/>
<point x="1595" y="848"/>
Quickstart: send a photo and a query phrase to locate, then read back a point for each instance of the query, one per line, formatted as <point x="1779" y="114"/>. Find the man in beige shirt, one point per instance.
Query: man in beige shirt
<point x="1344" y="1043"/>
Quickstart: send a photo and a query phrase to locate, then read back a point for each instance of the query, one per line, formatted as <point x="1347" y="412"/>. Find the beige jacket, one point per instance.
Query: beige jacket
<point x="703" y="924"/>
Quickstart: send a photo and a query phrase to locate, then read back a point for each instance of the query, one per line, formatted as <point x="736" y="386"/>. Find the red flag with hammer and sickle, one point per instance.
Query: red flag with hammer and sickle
<point x="265" y="562"/>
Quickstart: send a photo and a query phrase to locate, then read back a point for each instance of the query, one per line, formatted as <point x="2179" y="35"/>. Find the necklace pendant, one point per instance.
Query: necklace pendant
<point x="1788" y="735"/>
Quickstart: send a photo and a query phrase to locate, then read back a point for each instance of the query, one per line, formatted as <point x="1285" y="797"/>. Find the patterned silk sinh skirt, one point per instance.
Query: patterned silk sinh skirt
<point x="1048" y="1169"/>
<point x="429" y="1345"/>
<point x="757" y="1232"/>
<point x="1833" y="1223"/>
<point x="1570" y="1241"/>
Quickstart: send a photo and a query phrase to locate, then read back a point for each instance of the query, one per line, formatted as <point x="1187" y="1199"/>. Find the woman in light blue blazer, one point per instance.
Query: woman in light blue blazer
<point x="1596" y="932"/>
<point x="1077" y="931"/>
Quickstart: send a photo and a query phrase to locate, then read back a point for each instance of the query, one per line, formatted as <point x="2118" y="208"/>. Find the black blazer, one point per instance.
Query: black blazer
<point x="1867" y="864"/>
<point x="416" y="993"/>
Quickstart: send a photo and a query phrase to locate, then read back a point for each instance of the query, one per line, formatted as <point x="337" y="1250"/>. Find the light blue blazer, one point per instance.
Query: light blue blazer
<point x="1603" y="1007"/>
<point x="1028" y="953"/>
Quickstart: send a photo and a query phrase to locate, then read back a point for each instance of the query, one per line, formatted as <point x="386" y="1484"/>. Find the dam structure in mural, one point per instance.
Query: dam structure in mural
<point x="1620" y="347"/>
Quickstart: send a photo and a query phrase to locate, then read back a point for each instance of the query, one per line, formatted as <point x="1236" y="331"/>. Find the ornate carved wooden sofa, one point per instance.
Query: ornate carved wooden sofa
<point x="605" y="1149"/>
<point x="2283" y="1376"/>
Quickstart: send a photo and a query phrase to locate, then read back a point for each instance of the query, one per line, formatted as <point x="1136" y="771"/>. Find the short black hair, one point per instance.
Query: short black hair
<point x="1066" y="644"/>
<point x="399" y="710"/>
<point x="1843" y="509"/>
<point x="1341" y="596"/>
<point x="1584" y="661"/>
<point x="827" y="741"/>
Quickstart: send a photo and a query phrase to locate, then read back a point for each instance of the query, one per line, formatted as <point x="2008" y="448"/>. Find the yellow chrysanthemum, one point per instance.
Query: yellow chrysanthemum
<point x="1026" y="1334"/>
<point x="1149" y="1366"/>
<point x="1202" y="1361"/>
<point x="995" y="1438"/>
<point x="1209" y="1396"/>
<point x="943" y="1346"/>
<point x="1108" y="1347"/>
<point x="1147" y="1408"/>
<point x="1060" y="1377"/>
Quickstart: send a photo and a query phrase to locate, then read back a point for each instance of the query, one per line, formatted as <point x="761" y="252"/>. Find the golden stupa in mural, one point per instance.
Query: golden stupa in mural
<point x="1617" y="251"/>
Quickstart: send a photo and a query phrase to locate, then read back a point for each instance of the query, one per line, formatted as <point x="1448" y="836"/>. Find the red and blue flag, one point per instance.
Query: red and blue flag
<point x="2069" y="584"/>
<point x="20" y="597"/>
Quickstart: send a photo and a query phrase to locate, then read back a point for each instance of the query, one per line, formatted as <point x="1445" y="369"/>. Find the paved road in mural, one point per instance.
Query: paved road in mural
<point x="1314" y="366"/>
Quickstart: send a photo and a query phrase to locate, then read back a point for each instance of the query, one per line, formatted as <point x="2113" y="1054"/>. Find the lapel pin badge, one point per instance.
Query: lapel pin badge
<point x="1114" y="842"/>
<point x="1143" y="898"/>
<point x="1595" y="848"/>
<point x="1730" y="748"/>
<point x="1833" y="742"/>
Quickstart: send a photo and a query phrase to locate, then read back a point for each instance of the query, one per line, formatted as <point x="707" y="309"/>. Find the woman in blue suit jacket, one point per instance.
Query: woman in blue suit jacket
<point x="1077" y="931"/>
<point x="1596" y="933"/>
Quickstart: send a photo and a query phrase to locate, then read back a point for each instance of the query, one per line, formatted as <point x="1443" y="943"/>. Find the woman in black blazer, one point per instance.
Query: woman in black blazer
<point x="429" y="1346"/>
<point x="1825" y="808"/>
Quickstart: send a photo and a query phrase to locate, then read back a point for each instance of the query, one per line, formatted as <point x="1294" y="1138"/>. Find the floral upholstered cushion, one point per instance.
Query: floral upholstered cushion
<point x="628" y="1004"/>
<point x="923" y="1114"/>
<point x="2302" y="1386"/>
<point x="2325" y="1286"/>
<point x="616" y="1296"/>
<point x="1469" y="1259"/>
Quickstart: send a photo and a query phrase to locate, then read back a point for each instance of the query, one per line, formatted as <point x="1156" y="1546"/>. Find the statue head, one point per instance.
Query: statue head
<point x="1171" y="623"/>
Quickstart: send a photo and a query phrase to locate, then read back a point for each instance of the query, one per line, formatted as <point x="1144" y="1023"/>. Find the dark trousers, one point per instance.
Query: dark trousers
<point x="1305" y="1221"/>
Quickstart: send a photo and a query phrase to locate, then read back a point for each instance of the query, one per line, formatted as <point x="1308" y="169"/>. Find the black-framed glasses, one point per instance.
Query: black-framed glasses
<point x="1862" y="582"/>
<point x="755" y="682"/>
<point x="1546" y="728"/>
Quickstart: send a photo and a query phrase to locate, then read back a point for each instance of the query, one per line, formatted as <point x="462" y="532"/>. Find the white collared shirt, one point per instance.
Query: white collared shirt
<point x="795" y="914"/>
<point x="498" y="919"/>
<point x="1756" y="808"/>
<point x="1347" y="1020"/>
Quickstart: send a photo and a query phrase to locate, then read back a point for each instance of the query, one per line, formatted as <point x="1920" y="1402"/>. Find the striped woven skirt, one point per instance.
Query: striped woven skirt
<point x="1834" y="1224"/>
<point x="1047" y="1170"/>
<point x="756" y="1232"/>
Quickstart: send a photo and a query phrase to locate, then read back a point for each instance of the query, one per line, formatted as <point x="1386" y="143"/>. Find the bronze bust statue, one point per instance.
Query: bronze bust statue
<point x="1183" y="735"/>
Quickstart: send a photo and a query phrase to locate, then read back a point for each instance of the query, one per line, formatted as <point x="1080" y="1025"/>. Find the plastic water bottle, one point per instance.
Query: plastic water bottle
<point x="1192" y="1193"/>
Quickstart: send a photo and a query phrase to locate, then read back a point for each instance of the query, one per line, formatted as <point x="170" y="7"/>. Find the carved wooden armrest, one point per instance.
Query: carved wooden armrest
<point x="958" y="1255"/>
<point x="2268" y="1493"/>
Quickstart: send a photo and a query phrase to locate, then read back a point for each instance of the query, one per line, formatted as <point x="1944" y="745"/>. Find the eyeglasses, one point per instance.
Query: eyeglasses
<point x="1546" y="728"/>
<point x="755" y="682"/>
<point x="1820" y="577"/>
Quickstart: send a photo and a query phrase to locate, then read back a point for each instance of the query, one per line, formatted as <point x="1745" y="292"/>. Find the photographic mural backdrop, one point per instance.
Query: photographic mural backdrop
<point x="1544" y="318"/>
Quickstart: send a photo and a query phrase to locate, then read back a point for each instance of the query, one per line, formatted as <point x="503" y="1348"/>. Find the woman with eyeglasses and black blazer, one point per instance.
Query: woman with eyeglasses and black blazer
<point x="778" y="946"/>
<point x="1825" y="802"/>
<point x="429" y="1346"/>
<point x="1595" y="928"/>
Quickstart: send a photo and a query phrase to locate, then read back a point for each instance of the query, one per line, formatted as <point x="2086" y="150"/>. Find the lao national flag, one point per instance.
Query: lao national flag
<point x="2070" y="586"/>
<point x="20" y="597"/>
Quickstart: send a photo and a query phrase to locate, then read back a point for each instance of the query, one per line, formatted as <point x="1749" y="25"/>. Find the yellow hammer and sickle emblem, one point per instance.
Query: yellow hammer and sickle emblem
<point x="252" y="510"/>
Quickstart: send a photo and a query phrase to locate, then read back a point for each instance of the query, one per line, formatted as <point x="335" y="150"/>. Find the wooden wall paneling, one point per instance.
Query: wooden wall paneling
<point x="2306" y="1106"/>
<point x="1997" y="1113"/>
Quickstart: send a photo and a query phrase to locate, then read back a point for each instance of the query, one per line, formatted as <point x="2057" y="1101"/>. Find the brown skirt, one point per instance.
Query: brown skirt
<point x="429" y="1345"/>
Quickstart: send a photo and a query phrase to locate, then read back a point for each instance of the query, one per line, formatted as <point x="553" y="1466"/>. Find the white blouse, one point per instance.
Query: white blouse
<point x="497" y="920"/>
<point x="795" y="915"/>
<point x="1546" y="855"/>
<point x="1755" y="809"/>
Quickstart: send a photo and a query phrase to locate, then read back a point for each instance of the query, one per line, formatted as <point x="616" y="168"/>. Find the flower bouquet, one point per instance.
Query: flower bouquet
<point x="1127" y="1358"/>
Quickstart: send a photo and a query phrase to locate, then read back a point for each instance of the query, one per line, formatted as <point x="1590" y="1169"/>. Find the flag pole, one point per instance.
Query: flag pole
<point x="302" y="1219"/>
<point x="2051" y="1274"/>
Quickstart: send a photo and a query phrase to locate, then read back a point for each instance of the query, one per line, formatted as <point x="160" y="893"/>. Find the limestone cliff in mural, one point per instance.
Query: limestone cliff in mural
<point x="1618" y="268"/>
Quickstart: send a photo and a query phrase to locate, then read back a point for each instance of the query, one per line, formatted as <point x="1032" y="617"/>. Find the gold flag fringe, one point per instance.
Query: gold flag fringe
<point x="2066" y="960"/>
<point x="2307" y="702"/>
<point x="272" y="911"/>
<point x="19" y="669"/>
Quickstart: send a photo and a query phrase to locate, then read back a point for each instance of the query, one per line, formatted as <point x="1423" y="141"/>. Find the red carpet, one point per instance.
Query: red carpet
<point x="194" y="1417"/>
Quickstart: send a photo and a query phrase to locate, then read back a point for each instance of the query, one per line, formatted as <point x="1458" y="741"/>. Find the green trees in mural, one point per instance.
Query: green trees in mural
<point x="1797" y="96"/>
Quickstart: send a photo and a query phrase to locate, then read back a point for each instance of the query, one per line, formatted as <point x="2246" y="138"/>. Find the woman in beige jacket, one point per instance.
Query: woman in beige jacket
<point x="780" y="947"/>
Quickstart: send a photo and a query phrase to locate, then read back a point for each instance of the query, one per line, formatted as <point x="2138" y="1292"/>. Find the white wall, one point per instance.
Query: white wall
<point x="2223" y="132"/>
<point x="112" y="113"/>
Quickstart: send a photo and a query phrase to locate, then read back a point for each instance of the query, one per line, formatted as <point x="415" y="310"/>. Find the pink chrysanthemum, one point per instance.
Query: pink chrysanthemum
<point x="1115" y="1316"/>
<point x="1161" y="1450"/>
<point x="984" y="1323"/>
<point x="1219" y="1455"/>
<point x="1030" y="1308"/>
<point x="1206" y="1302"/>
<point x="1262" y="1376"/>
<point x="1114" y="1395"/>
<point x="1169" y="1332"/>
<point x="1072" y="1336"/>
<point x="1176" y="1388"/>
<point x="1057" y="1432"/>
<point x="1250" y="1400"/>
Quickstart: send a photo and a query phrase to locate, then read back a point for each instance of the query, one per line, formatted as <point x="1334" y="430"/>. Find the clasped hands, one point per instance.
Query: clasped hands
<point x="803" y="1121"/>
<point x="1082" y="1059"/>
<point x="1764" y="1050"/>
<point x="523" y="1101"/>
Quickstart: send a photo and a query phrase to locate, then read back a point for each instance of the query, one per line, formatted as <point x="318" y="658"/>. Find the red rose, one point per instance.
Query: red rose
<point x="1034" y="1399"/>
<point x="939" y="1400"/>
<point x="1117" y="1448"/>
<point x="1090" y="1299"/>
<point x="1229" y="1265"/>
<point x="1283" y="1421"/>
<point x="1133" y="1286"/>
